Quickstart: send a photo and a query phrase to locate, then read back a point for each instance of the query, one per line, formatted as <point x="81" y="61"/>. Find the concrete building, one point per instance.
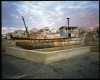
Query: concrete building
<point x="7" y="36"/>
<point x="33" y="30"/>
<point x="45" y="29"/>
<point x="41" y="35"/>
<point x="53" y="31"/>
<point x="53" y="36"/>
<point x="18" y="33"/>
<point x="67" y="32"/>
<point x="46" y="33"/>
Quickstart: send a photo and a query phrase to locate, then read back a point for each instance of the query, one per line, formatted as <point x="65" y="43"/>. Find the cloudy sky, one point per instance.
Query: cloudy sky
<point x="39" y="14"/>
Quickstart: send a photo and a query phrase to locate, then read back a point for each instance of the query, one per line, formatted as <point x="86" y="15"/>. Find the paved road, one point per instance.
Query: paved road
<point x="80" y="67"/>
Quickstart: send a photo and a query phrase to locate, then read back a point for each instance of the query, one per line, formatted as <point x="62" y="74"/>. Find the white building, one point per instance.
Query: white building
<point x="53" y="31"/>
<point x="70" y="31"/>
<point x="33" y="30"/>
<point x="53" y="36"/>
<point x="18" y="33"/>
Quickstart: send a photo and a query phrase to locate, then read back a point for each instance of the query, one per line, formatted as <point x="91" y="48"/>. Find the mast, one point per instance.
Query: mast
<point x="68" y="25"/>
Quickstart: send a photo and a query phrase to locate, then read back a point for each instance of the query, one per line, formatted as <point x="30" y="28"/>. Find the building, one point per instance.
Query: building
<point x="18" y="33"/>
<point x="67" y="32"/>
<point x="33" y="30"/>
<point x="46" y="33"/>
<point x="7" y="36"/>
<point x="53" y="31"/>
<point x="41" y="35"/>
<point x="45" y="29"/>
<point x="53" y="36"/>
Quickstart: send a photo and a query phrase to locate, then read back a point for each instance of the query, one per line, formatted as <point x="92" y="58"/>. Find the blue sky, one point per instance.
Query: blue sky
<point x="39" y="14"/>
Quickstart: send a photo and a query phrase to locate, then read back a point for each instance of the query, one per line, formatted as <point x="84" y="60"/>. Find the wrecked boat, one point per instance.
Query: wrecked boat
<point x="28" y="43"/>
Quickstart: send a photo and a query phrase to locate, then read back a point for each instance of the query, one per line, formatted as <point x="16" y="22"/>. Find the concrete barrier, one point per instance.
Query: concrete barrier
<point x="46" y="57"/>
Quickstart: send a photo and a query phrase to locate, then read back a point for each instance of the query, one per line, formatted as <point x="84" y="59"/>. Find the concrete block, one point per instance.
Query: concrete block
<point x="46" y="57"/>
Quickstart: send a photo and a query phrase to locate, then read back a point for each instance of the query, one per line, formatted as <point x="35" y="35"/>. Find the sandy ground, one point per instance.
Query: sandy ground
<point x="85" y="66"/>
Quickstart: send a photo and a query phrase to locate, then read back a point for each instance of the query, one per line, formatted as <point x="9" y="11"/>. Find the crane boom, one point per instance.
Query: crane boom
<point x="25" y="27"/>
<point x="24" y="22"/>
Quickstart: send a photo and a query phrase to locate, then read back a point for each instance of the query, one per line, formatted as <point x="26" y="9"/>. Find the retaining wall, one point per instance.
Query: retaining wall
<point x="46" y="57"/>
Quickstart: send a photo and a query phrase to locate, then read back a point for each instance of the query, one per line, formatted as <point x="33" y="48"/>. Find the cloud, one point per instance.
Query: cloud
<point x="39" y="14"/>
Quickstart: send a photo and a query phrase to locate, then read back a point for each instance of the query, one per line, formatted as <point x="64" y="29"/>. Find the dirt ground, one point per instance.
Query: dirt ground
<point x="84" y="66"/>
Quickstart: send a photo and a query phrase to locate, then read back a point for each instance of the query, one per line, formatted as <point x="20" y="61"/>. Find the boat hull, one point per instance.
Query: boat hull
<point x="40" y="43"/>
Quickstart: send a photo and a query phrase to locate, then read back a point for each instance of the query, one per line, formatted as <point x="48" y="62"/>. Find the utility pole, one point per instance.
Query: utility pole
<point x="68" y="24"/>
